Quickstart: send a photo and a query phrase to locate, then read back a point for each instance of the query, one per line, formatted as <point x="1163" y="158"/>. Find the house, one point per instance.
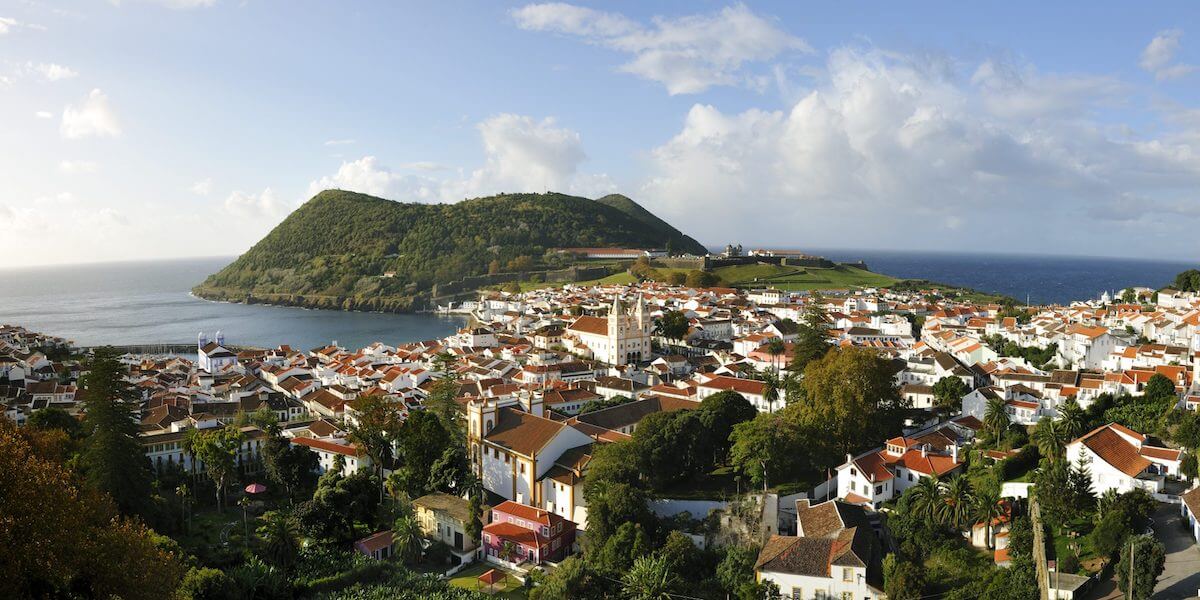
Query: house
<point x="378" y="546"/>
<point x="624" y="418"/>
<point x="752" y="390"/>
<point x="444" y="518"/>
<point x="1189" y="507"/>
<point x="512" y="447"/>
<point x="328" y="451"/>
<point x="844" y="566"/>
<point x="517" y="534"/>
<point x="877" y="476"/>
<point x="1121" y="459"/>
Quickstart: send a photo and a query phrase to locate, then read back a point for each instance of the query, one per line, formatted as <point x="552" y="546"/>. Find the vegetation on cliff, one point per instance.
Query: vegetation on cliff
<point x="354" y="251"/>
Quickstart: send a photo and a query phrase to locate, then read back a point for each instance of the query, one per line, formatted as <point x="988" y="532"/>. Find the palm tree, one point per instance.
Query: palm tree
<point x="958" y="503"/>
<point x="926" y="499"/>
<point x="280" y="538"/>
<point x="996" y="418"/>
<point x="650" y="578"/>
<point x="1050" y="439"/>
<point x="987" y="509"/>
<point x="407" y="537"/>
<point x="1071" y="419"/>
<point x="776" y="347"/>
<point x="771" y="387"/>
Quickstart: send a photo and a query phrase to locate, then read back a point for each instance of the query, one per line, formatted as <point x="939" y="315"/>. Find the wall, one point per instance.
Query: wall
<point x="669" y="507"/>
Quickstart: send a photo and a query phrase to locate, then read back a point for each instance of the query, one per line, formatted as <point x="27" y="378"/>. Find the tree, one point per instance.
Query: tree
<point x="1142" y="558"/>
<point x="650" y="578"/>
<point x="719" y="414"/>
<point x="902" y="579"/>
<point x="701" y="279"/>
<point x="574" y="578"/>
<point x="673" y="325"/>
<point x="959" y="505"/>
<point x="1187" y="281"/>
<point x="677" y="278"/>
<point x="851" y="395"/>
<point x="407" y="534"/>
<point x="375" y="423"/>
<point x="1188" y="467"/>
<point x="812" y="336"/>
<point x="280" y="535"/>
<point x="948" y="393"/>
<point x="493" y="267"/>
<point x="995" y="418"/>
<point x="1159" y="386"/>
<point x="218" y="449"/>
<point x="421" y="441"/>
<point x="1050" y="439"/>
<point x="927" y="498"/>
<point x="289" y="465"/>
<point x="442" y="403"/>
<point x="770" y="447"/>
<point x="775" y="348"/>
<point x="1071" y="419"/>
<point x="772" y="384"/>
<point x="113" y="459"/>
<point x="64" y="540"/>
<point x="474" y="525"/>
<point x="988" y="509"/>
<point x="206" y="584"/>
<point x="53" y="418"/>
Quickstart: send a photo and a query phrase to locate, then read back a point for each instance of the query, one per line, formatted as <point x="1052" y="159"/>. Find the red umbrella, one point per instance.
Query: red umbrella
<point x="256" y="488"/>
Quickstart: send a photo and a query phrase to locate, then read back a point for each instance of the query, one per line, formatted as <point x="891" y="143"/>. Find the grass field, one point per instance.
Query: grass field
<point x="757" y="275"/>
<point x="800" y="279"/>
<point x="467" y="579"/>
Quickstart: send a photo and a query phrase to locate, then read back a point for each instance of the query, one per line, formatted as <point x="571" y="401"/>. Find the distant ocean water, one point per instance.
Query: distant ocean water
<point x="148" y="302"/>
<point x="1043" y="279"/>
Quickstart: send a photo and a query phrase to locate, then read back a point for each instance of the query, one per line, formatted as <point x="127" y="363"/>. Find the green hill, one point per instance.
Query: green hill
<point x="354" y="251"/>
<point x="635" y="210"/>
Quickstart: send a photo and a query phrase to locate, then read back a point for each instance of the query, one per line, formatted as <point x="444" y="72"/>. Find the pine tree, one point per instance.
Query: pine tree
<point x="113" y="459"/>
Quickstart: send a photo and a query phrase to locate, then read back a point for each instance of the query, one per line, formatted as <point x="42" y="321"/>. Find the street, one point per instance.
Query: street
<point x="1181" y="574"/>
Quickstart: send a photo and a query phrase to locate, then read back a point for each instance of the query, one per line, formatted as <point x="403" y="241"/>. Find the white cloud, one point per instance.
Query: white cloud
<point x="6" y="214"/>
<point x="174" y="4"/>
<point x="1158" y="54"/>
<point x="44" y="114"/>
<point x="51" y="71"/>
<point x="901" y="151"/>
<point x="339" y="142"/>
<point x="92" y="117"/>
<point x="687" y="54"/>
<point x="8" y="25"/>
<point x="202" y="187"/>
<point x="262" y="205"/>
<point x="522" y="154"/>
<point x="78" y="166"/>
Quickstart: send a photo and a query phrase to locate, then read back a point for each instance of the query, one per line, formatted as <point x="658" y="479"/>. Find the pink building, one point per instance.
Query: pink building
<point x="518" y="533"/>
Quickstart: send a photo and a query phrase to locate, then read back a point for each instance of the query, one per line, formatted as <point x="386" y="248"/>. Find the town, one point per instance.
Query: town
<point x="584" y="441"/>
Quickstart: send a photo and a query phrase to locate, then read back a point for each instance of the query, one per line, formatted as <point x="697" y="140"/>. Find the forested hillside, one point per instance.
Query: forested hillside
<point x="348" y="250"/>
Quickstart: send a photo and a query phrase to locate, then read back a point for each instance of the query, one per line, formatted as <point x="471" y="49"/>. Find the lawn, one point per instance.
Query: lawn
<point x="468" y="579"/>
<point x="800" y="279"/>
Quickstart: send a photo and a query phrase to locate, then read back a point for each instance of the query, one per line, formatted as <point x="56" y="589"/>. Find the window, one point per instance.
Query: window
<point x="546" y="531"/>
<point x="853" y="472"/>
<point x="797" y="593"/>
<point x="878" y="490"/>
<point x="522" y="468"/>
<point x="847" y="574"/>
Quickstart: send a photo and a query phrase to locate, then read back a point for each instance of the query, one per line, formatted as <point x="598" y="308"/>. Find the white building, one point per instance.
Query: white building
<point x="622" y="337"/>
<point x="1120" y="459"/>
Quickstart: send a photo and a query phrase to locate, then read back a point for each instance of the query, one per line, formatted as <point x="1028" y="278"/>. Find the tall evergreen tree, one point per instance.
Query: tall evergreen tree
<point x="113" y="459"/>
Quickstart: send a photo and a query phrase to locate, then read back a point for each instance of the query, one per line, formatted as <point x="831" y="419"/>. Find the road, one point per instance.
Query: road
<point x="1181" y="574"/>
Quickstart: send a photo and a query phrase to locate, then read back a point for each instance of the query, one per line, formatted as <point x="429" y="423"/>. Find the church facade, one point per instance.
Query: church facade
<point x="622" y="337"/>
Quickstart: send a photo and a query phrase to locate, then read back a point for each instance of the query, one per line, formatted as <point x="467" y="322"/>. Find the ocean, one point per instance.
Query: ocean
<point x="149" y="303"/>
<point x="1041" y="279"/>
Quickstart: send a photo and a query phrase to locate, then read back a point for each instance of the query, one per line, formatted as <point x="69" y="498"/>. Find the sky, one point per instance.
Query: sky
<point x="138" y="129"/>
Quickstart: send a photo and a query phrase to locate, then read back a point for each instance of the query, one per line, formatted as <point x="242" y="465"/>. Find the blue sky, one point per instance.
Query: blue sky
<point x="162" y="128"/>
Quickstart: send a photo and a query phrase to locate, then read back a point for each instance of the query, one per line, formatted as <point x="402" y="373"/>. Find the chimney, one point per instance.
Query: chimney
<point x="954" y="452"/>
<point x="924" y="450"/>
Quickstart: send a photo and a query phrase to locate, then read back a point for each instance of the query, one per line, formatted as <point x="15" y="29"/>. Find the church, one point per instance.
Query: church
<point x="213" y="356"/>
<point x="620" y="338"/>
